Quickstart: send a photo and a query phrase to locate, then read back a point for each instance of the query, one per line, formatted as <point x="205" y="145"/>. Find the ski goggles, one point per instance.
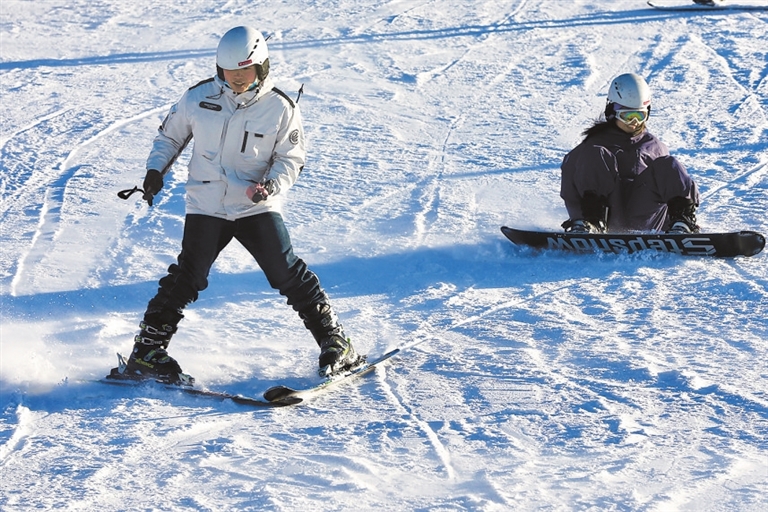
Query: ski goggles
<point x="632" y="115"/>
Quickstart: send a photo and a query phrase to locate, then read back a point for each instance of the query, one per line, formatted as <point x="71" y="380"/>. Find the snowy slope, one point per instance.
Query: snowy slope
<point x="532" y="381"/>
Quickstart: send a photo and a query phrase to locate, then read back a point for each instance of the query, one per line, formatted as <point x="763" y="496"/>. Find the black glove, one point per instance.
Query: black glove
<point x="259" y="192"/>
<point x="153" y="182"/>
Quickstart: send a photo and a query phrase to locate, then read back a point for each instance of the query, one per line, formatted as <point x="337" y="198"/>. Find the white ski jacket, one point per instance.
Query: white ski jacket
<point x="239" y="139"/>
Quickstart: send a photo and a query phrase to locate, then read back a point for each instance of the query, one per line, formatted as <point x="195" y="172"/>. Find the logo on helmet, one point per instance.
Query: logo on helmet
<point x="245" y="63"/>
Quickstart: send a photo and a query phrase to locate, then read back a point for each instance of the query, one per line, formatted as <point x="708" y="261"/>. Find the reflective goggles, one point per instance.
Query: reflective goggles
<point x="632" y="115"/>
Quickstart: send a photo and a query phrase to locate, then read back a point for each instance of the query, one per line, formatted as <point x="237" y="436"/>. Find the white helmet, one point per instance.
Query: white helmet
<point x="242" y="47"/>
<point x="630" y="91"/>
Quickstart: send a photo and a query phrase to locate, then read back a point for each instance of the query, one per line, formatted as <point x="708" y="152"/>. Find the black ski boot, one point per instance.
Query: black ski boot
<point x="682" y="216"/>
<point x="336" y="350"/>
<point x="580" y="226"/>
<point x="595" y="215"/>
<point x="149" y="358"/>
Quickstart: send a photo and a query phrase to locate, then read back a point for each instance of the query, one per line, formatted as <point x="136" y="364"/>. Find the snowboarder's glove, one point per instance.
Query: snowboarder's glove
<point x="153" y="182"/>
<point x="259" y="192"/>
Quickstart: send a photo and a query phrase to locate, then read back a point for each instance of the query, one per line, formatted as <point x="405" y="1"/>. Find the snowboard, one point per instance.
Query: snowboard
<point x="720" y="245"/>
<point x="688" y="5"/>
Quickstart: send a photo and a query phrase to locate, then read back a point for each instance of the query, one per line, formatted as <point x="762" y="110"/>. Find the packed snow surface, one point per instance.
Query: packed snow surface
<point x="527" y="381"/>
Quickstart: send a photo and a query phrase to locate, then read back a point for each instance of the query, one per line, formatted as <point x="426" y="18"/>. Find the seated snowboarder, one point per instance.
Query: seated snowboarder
<point x="621" y="177"/>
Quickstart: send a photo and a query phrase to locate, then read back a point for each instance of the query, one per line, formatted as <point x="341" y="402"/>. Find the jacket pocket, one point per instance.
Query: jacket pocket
<point x="258" y="142"/>
<point x="202" y="169"/>
<point x="208" y="133"/>
<point x="206" y="196"/>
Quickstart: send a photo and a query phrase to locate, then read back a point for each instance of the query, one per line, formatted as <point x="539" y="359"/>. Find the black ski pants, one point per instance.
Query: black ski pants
<point x="264" y="236"/>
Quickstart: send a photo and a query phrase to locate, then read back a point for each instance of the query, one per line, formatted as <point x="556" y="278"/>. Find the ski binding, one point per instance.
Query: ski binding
<point x="119" y="377"/>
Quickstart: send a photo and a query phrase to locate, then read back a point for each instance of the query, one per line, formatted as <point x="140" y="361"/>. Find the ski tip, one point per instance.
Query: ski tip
<point x="279" y="394"/>
<point x="284" y="402"/>
<point x="290" y="400"/>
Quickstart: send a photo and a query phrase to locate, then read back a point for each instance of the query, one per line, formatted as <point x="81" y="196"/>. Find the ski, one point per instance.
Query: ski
<point x="721" y="245"/>
<point x="118" y="377"/>
<point x="688" y="5"/>
<point x="282" y="393"/>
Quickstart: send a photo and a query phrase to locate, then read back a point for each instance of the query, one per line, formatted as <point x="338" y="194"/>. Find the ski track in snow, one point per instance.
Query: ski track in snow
<point x="527" y="381"/>
<point x="430" y="197"/>
<point x="47" y="232"/>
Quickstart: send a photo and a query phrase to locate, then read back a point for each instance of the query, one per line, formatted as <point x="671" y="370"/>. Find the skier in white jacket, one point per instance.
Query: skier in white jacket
<point x="248" y="150"/>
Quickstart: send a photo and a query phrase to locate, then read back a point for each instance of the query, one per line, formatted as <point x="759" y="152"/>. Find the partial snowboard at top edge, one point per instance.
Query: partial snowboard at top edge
<point x="720" y="245"/>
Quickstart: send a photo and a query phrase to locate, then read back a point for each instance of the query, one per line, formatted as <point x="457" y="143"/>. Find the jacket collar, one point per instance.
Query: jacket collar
<point x="247" y="98"/>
